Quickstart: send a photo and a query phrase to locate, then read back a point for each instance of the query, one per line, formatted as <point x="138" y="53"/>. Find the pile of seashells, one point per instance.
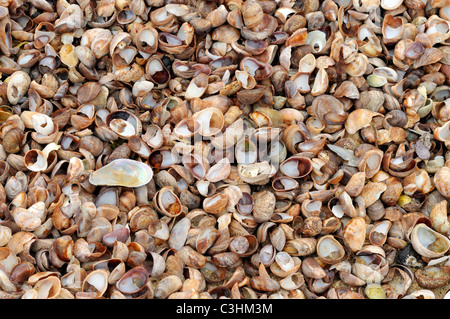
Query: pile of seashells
<point x="225" y="149"/>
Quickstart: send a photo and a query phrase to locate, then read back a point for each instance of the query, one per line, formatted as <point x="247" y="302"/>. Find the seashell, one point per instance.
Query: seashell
<point x="123" y="57"/>
<point x="68" y="55"/>
<point x="398" y="282"/>
<point x="258" y="70"/>
<point x="191" y="257"/>
<point x="358" y="119"/>
<point x="179" y="233"/>
<point x="244" y="245"/>
<point x="296" y="166"/>
<point x="246" y="204"/>
<point x="48" y="288"/>
<point x="245" y="152"/>
<point x="13" y="140"/>
<point x="285" y="265"/>
<point x="357" y="100"/>
<point x="119" y="234"/>
<point x="96" y="282"/>
<point x="206" y="239"/>
<point x="264" y="116"/>
<point x="196" y="164"/>
<point x="431" y="277"/>
<point x="133" y="281"/>
<point x="21" y="272"/>
<point x="215" y="204"/>
<point x="264" y="205"/>
<point x="264" y="284"/>
<point x="358" y="66"/>
<point x="390" y="4"/>
<point x="355" y="185"/>
<point x="354" y="233"/>
<point x="211" y="121"/>
<point x="320" y="83"/>
<point x="379" y="232"/>
<point x="421" y="294"/>
<point x="153" y="137"/>
<point x="442" y="132"/>
<point x="284" y="183"/>
<point x="370" y="162"/>
<point x="329" y="250"/>
<point x="292" y="282"/>
<point x="18" y="84"/>
<point x="28" y="59"/>
<point x="438" y="217"/>
<point x="429" y="243"/>
<point x="372" y="192"/>
<point x="5" y="235"/>
<point x="247" y="81"/>
<point x="36" y="160"/>
<point x="166" y="202"/>
<point x="392" y="29"/>
<point x="252" y="14"/>
<point x="138" y="146"/>
<point x="186" y="128"/>
<point x="300" y="247"/>
<point x="376" y="81"/>
<point x="312" y="269"/>
<point x="85" y="56"/>
<point x="167" y="286"/>
<point x="8" y="260"/>
<point x="157" y="72"/>
<point x="312" y="226"/>
<point x="256" y="173"/>
<point x="219" y="171"/>
<point x="124" y="124"/>
<point x="316" y="40"/>
<point x="122" y="172"/>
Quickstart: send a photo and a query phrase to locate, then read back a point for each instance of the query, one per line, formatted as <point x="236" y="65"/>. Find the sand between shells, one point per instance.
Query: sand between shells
<point x="224" y="149"/>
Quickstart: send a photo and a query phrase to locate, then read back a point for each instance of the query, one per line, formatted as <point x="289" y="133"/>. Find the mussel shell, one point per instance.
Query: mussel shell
<point x="122" y="172"/>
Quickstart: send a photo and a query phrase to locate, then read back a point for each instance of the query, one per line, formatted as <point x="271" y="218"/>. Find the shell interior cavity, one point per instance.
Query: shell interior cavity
<point x="329" y="249"/>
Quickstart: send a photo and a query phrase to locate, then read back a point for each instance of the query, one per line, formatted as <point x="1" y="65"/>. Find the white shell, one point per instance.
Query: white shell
<point x="18" y="84"/>
<point x="42" y="124"/>
<point x="122" y="172"/>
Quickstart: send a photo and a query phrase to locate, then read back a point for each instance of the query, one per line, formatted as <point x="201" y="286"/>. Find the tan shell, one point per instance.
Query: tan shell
<point x="355" y="233"/>
<point x="329" y="250"/>
<point x="442" y="181"/>
<point x="379" y="232"/>
<point x="429" y="243"/>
